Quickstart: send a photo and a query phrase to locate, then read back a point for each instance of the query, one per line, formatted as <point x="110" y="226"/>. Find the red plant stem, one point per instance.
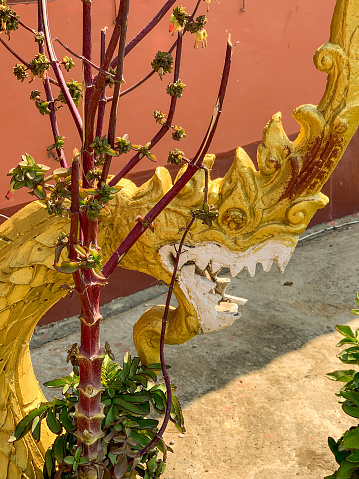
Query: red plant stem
<point x="163" y="130"/>
<point x="82" y="58"/>
<point x="75" y="207"/>
<point x="193" y="166"/>
<point x="14" y="53"/>
<point x="99" y="81"/>
<point x="23" y="24"/>
<point x="102" y="104"/>
<point x="133" y="87"/>
<point x="87" y="41"/>
<point x="166" y="378"/>
<point x="148" y="28"/>
<point x="140" y="82"/>
<point x="87" y="155"/>
<point x="117" y="89"/>
<point x="57" y="70"/>
<point x="50" y="98"/>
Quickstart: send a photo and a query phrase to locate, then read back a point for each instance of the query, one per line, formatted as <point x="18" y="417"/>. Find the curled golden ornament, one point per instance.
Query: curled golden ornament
<point x="234" y="219"/>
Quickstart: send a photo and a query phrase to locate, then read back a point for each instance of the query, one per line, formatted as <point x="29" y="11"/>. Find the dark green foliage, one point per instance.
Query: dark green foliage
<point x="123" y="145"/>
<point x="178" y="133"/>
<point x="198" y="25"/>
<point x="176" y="89"/>
<point x="175" y="156"/>
<point x="75" y="90"/>
<point x="159" y="117"/>
<point x="162" y="63"/>
<point x="346" y="449"/>
<point x="68" y="63"/>
<point x="39" y="66"/>
<point x="102" y="149"/>
<point x="129" y="394"/>
<point x="20" y="71"/>
<point x="208" y="214"/>
<point x="8" y="18"/>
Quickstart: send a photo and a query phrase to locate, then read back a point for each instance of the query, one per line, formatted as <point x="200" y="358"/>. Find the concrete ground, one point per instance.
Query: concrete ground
<point x="256" y="400"/>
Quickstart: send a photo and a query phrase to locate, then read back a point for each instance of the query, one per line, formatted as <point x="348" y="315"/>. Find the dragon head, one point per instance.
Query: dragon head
<point x="261" y="208"/>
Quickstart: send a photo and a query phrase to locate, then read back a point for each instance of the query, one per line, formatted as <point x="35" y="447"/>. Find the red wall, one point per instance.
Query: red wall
<point x="272" y="71"/>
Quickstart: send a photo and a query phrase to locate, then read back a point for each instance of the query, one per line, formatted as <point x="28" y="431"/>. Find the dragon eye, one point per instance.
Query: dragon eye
<point x="234" y="219"/>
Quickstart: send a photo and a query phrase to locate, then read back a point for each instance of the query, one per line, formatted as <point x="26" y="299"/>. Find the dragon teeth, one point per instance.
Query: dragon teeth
<point x="216" y="266"/>
<point x="267" y="264"/>
<point x="227" y="307"/>
<point x="235" y="269"/>
<point x="204" y="284"/>
<point x="282" y="259"/>
<point x="235" y="299"/>
<point x="251" y="269"/>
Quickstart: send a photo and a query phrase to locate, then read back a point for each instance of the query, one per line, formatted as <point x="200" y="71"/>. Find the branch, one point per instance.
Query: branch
<point x="82" y="58"/>
<point x="193" y="166"/>
<point x="139" y="83"/>
<point x="102" y="104"/>
<point x="125" y="5"/>
<point x="50" y="98"/>
<point x="23" y="24"/>
<point x="163" y="130"/>
<point x="166" y="378"/>
<point x="203" y="149"/>
<point x="148" y="28"/>
<point x="57" y="70"/>
<point x="14" y="53"/>
<point x="87" y="41"/>
<point x="75" y="205"/>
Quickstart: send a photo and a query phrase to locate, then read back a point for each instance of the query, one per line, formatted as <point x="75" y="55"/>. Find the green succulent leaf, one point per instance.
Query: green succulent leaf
<point x="345" y="330"/>
<point x="53" y="423"/>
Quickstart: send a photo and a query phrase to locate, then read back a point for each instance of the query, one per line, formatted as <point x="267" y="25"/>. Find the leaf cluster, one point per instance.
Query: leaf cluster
<point x="39" y="66"/>
<point x="8" y="18"/>
<point x="102" y="149"/>
<point x="176" y="89"/>
<point x="208" y="214"/>
<point x="346" y="449"/>
<point x="175" y="156"/>
<point x="162" y="63"/>
<point x="29" y="174"/>
<point x="178" y="133"/>
<point x="68" y="63"/>
<point x="129" y="393"/>
<point x="75" y="90"/>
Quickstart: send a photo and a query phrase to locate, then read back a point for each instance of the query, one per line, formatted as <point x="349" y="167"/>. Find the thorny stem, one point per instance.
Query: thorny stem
<point x="166" y="378"/>
<point x="125" y="5"/>
<point x="193" y="166"/>
<point x="75" y="206"/>
<point x="50" y="99"/>
<point x="163" y="130"/>
<point x="57" y="70"/>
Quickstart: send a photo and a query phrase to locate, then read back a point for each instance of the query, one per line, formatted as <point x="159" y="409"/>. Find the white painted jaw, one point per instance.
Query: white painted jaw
<point x="197" y="276"/>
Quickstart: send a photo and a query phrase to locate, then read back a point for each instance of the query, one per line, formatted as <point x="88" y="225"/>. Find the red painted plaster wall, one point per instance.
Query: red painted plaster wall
<point x="272" y="71"/>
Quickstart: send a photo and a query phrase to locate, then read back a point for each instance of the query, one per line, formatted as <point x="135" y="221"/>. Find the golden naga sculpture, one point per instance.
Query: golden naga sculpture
<point x="261" y="214"/>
